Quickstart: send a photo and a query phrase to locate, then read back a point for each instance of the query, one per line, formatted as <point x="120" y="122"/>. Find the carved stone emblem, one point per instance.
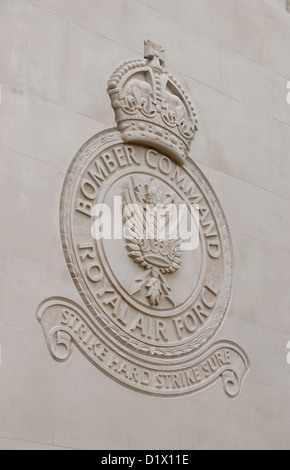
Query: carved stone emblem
<point x="156" y="256"/>
<point x="151" y="303"/>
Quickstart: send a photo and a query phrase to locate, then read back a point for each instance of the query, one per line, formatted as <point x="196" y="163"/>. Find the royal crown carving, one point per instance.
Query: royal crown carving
<point x="151" y="107"/>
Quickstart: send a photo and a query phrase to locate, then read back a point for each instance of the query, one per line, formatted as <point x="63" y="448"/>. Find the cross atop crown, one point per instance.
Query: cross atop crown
<point x="154" y="53"/>
<point x="151" y="107"/>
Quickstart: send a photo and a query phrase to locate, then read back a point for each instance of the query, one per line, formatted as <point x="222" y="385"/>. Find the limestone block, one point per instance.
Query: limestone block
<point x="143" y="422"/>
<point x="13" y="444"/>
<point x="91" y="61"/>
<point x="27" y="284"/>
<point x="255" y="414"/>
<point x="237" y="24"/>
<point x="48" y="132"/>
<point x="280" y="220"/>
<point x="248" y="209"/>
<point x="7" y="117"/>
<point x="278" y="40"/>
<point x="104" y="17"/>
<point x="162" y="434"/>
<point x="260" y="293"/>
<point x="258" y="213"/>
<point x="280" y="144"/>
<point x="166" y="7"/>
<point x="93" y="425"/>
<point x="34" y="57"/>
<point x="27" y="212"/>
<point x="186" y="51"/>
<point x="3" y="280"/>
<point x="266" y="348"/>
<point x="26" y="393"/>
<point x="216" y="179"/>
<point x="278" y="3"/>
<point x="254" y="85"/>
<point x="232" y="137"/>
<point x="57" y="257"/>
<point x="285" y="418"/>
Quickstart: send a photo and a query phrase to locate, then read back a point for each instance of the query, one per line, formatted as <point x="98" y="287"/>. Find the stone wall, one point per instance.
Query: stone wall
<point x="232" y="57"/>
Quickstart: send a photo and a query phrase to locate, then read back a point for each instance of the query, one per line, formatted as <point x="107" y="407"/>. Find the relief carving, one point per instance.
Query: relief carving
<point x="150" y="105"/>
<point x="154" y="292"/>
<point x="157" y="257"/>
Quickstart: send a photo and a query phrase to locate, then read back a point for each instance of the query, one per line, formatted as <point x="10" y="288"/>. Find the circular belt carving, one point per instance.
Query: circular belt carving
<point x="153" y="300"/>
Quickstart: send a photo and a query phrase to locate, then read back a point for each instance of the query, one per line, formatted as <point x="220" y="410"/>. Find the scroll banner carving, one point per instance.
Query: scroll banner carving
<point x="65" y="323"/>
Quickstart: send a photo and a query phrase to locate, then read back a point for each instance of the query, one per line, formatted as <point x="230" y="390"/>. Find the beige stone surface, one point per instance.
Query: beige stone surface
<point x="217" y="180"/>
<point x="283" y="4"/>
<point x="278" y="37"/>
<point x="232" y="58"/>
<point x="3" y="280"/>
<point x="266" y="348"/>
<point x="233" y="138"/>
<point x="21" y="277"/>
<point x="268" y="267"/>
<point x="182" y="42"/>
<point x="7" y="118"/>
<point x="166" y="7"/>
<point x="255" y="414"/>
<point x="34" y="57"/>
<point x="27" y="210"/>
<point x="48" y="132"/>
<point x="254" y="85"/>
<point x="262" y="214"/>
<point x="285" y="419"/>
<point x="239" y="25"/>
<point x="104" y="17"/>
<point x="280" y="141"/>
<point x="249" y="209"/>
<point x="27" y="386"/>
<point x="13" y="444"/>
<point x="90" y="62"/>
<point x="280" y="210"/>
<point x="82" y="420"/>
